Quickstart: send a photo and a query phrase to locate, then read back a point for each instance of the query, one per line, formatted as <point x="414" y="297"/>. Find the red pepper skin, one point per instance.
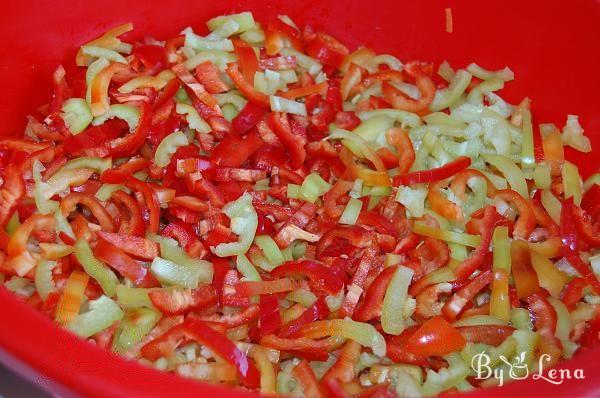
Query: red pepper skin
<point x="268" y="156"/>
<point x="319" y="310"/>
<point x="185" y="235"/>
<point x="129" y="145"/>
<point x="246" y="87"/>
<point x="321" y="277"/>
<point x="167" y="93"/>
<point x="247" y="59"/>
<point x="345" y="367"/>
<point x="346" y="120"/>
<point x="432" y="175"/>
<point x="486" y="334"/>
<point x="370" y="307"/>
<point x="225" y="349"/>
<point x="182" y="301"/>
<point x="151" y="56"/>
<point x="208" y="75"/>
<point x="477" y="256"/>
<point x="119" y="177"/>
<point x="590" y="202"/>
<point x="543" y="312"/>
<point x="94" y="136"/>
<point x="125" y="265"/>
<point x="135" y="246"/>
<point x="234" y="150"/>
<point x="248" y="117"/>
<point x="306" y="377"/>
<point x="135" y="225"/>
<point x="585" y="227"/>
<point x="436" y="337"/>
<point x="591" y="335"/>
<point x="13" y="188"/>
<point x="454" y="306"/>
<point x="379" y="391"/>
<point x="269" y="320"/>
<point x="570" y="247"/>
<point x="294" y="143"/>
<point x="277" y="32"/>
<point x="301" y="347"/>
<point x="165" y="344"/>
<point x="573" y="292"/>
<point x="327" y="49"/>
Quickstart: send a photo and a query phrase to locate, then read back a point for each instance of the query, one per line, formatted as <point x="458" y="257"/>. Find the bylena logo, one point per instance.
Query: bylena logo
<point x="518" y="369"/>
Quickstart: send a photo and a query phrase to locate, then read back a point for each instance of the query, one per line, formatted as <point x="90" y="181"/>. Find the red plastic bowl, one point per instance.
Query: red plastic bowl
<point x="551" y="46"/>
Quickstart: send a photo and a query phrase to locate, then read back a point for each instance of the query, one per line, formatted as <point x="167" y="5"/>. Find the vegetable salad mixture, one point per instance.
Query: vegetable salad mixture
<point x="261" y="207"/>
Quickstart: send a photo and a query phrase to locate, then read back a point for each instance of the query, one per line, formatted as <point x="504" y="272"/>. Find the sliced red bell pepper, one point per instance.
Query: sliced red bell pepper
<point x="208" y="74"/>
<point x="527" y="221"/>
<point x="334" y="97"/>
<point x="269" y="320"/>
<point x="248" y="117"/>
<point x="150" y="199"/>
<point x="370" y="307"/>
<point x="135" y="224"/>
<point x="186" y="236"/>
<point x="477" y="256"/>
<point x="573" y="292"/>
<point x="588" y="231"/>
<point x="436" y="174"/>
<point x="129" y="144"/>
<point x="436" y="337"/>
<point x="294" y="143"/>
<point x="94" y="136"/>
<point x="246" y="58"/>
<point x="225" y="349"/>
<point x="151" y="56"/>
<point x="135" y="246"/>
<point x="117" y="259"/>
<point x="247" y="88"/>
<point x="13" y="187"/>
<point x="196" y="88"/>
<point x="302" y="347"/>
<point x="454" y="306"/>
<point x="278" y="33"/>
<point x="72" y="200"/>
<point x="165" y="344"/>
<point x="321" y="277"/>
<point x="182" y="301"/>
<point x="327" y="49"/>
<point x="307" y="379"/>
<point x="20" y="258"/>
<point x="229" y="321"/>
<point x="346" y="120"/>
<point x="401" y="101"/>
<point x="544" y="314"/>
<point x="316" y="312"/>
<point x="234" y="150"/>
<point x="591" y="201"/>
<point x="591" y="335"/>
<point x="401" y="141"/>
<point x="570" y="248"/>
<point x="356" y="235"/>
<point x="167" y="93"/>
<point x="304" y="91"/>
<point x="486" y="334"/>
<point x="344" y="369"/>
